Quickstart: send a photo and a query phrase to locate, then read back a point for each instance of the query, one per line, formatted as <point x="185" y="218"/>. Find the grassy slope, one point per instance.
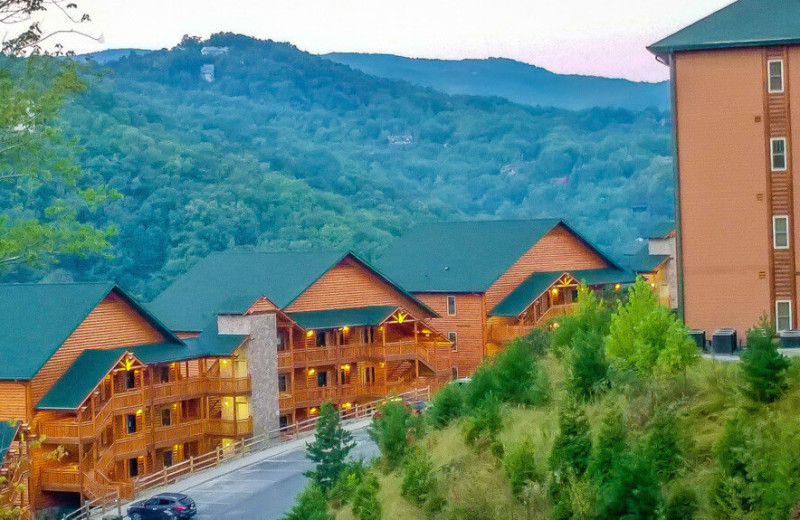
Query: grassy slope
<point x="476" y="481"/>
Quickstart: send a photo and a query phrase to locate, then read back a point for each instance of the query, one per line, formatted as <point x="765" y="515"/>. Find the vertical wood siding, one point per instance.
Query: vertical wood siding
<point x="349" y="285"/>
<point x="113" y="323"/>
<point x="468" y="323"/>
<point x="557" y="250"/>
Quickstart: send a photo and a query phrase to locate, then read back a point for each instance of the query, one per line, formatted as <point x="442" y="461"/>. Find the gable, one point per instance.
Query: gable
<point x="262" y="305"/>
<point x="111" y="324"/>
<point x="558" y="250"/>
<point x="349" y="284"/>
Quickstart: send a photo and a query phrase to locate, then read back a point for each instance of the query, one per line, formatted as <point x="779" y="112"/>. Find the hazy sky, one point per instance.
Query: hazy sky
<point x="598" y="37"/>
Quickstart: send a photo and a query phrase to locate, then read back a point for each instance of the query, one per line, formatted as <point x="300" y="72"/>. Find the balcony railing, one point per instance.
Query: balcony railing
<point x="227" y="386"/>
<point x="177" y="433"/>
<point x="230" y="428"/>
<point x="60" y="479"/>
<point x="66" y="430"/>
<point x="130" y="445"/>
<point x="165" y="392"/>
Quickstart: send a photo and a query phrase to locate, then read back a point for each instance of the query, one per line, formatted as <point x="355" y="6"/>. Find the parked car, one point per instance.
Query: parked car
<point x="162" y="507"/>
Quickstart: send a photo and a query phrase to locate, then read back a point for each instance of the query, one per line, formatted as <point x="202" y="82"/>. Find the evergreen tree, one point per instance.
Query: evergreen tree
<point x="573" y="446"/>
<point x="366" y="505"/>
<point x="611" y="443"/>
<point x="311" y="504"/>
<point x="632" y="491"/>
<point x="764" y="368"/>
<point x="330" y="448"/>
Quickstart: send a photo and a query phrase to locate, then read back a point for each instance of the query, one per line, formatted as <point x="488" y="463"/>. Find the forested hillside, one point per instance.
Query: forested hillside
<point x="513" y="80"/>
<point x="284" y="149"/>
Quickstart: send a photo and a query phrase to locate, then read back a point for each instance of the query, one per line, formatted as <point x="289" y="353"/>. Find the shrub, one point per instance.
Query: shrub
<point x="537" y="341"/>
<point x="664" y="443"/>
<point x="681" y="503"/>
<point x="393" y="430"/>
<point x="587" y="368"/>
<point x="591" y="316"/>
<point x="632" y="491"/>
<point x="485" y="423"/>
<point x="420" y="484"/>
<point x="520" y="464"/>
<point x="611" y="441"/>
<point x="572" y="448"/>
<point x="311" y="504"/>
<point x="518" y="377"/>
<point x="366" y="505"/>
<point x="329" y="449"/>
<point x="448" y="404"/>
<point x="483" y="383"/>
<point x="347" y="483"/>
<point x="763" y="367"/>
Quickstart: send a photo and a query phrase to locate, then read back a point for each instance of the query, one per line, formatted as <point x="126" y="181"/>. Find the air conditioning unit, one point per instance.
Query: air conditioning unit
<point x="790" y="339"/>
<point x="699" y="337"/>
<point x="723" y="341"/>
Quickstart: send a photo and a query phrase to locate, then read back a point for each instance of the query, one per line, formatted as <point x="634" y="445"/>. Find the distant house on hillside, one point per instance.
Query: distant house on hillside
<point x="656" y="261"/>
<point x="207" y="73"/>
<point x="214" y="51"/>
<point x="491" y="281"/>
<point x="735" y="91"/>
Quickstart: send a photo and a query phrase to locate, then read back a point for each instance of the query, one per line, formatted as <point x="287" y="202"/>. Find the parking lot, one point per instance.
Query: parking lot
<point x="264" y="490"/>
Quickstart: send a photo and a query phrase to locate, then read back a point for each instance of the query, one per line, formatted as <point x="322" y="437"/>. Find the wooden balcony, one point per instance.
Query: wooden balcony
<point x="501" y="333"/>
<point x="342" y="394"/>
<point x="181" y="389"/>
<point x="230" y="428"/>
<point x="66" y="431"/>
<point x="130" y="445"/>
<point x="61" y="479"/>
<point x="349" y="353"/>
<point x="178" y="433"/>
<point x="229" y="386"/>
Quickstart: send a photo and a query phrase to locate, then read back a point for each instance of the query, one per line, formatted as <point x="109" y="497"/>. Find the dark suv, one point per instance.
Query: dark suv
<point x="162" y="507"/>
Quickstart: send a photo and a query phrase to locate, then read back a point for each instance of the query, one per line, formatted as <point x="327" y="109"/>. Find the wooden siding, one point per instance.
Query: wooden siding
<point x="558" y="250"/>
<point x="113" y="323"/>
<point x="349" y="285"/>
<point x="469" y="324"/>
<point x="13" y="401"/>
<point x="262" y="305"/>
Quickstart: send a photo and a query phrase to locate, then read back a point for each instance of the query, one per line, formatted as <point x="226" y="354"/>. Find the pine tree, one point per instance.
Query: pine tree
<point x="330" y="448"/>
<point x="764" y="368"/>
<point x="311" y="504"/>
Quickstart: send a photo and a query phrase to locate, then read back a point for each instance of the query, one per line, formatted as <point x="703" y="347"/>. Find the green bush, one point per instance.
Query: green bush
<point x="347" y="483"/>
<point x="763" y="367"/>
<point x="681" y="503"/>
<point x="518" y="377"/>
<point x="366" y="505"/>
<point x="611" y="441"/>
<point x="632" y="491"/>
<point x="485" y="422"/>
<point x="448" y="404"/>
<point x="591" y="316"/>
<point x="572" y="448"/>
<point x="310" y="504"/>
<point x="587" y="368"/>
<point x="483" y="382"/>
<point x="520" y="465"/>
<point x="664" y="443"/>
<point x="394" y="430"/>
<point x="420" y="484"/>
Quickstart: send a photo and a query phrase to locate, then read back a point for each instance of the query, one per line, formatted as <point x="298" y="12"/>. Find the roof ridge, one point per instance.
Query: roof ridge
<point x="318" y="251"/>
<point x="45" y="284"/>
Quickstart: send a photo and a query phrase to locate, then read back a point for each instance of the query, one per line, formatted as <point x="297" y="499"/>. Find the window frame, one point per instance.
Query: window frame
<point x="454" y="373"/>
<point x="453" y="336"/>
<point x="770" y="90"/>
<point x="166" y="413"/>
<point x="451" y="298"/>
<point x="772" y="141"/>
<point x="285" y="378"/>
<point x="778" y="316"/>
<point x="775" y="220"/>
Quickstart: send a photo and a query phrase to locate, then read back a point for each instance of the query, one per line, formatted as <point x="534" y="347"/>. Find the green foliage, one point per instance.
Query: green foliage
<point x="664" y="443"/>
<point x="366" y="505"/>
<point x="644" y="336"/>
<point x="329" y="449"/>
<point x="420" y="484"/>
<point x="347" y="483"/>
<point x="586" y="365"/>
<point x="572" y="448"/>
<point x="485" y="422"/>
<point x="681" y="503"/>
<point x="612" y="440"/>
<point x="47" y="209"/>
<point x="482" y="384"/>
<point x="394" y="430"/>
<point x="310" y="504"/>
<point x="448" y="404"/>
<point x="763" y="367"/>
<point x="520" y="464"/>
<point x="631" y="491"/>
<point x="592" y="315"/>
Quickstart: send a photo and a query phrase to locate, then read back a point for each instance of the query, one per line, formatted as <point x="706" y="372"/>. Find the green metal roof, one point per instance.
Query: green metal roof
<point x="228" y="283"/>
<point x="75" y="385"/>
<point x="661" y="230"/>
<point x="746" y="23"/>
<point x="8" y="431"/>
<point x="463" y="256"/>
<point x="335" y="318"/>
<point x="536" y="284"/>
<point x="642" y="261"/>
<point x="35" y="319"/>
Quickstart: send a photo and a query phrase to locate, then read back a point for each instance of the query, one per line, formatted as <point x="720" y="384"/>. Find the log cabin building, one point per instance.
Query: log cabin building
<point x="491" y="281"/>
<point x="95" y="391"/>
<point x="734" y="75"/>
<point x="335" y="329"/>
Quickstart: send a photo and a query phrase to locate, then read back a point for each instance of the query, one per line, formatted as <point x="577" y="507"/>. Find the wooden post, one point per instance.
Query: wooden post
<point x="219" y="453"/>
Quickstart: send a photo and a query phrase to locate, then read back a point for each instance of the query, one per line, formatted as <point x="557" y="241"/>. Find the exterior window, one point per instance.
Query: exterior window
<point x="283" y="385"/>
<point x="322" y="379"/>
<point x="130" y="380"/>
<point x="166" y="417"/>
<point x="133" y="467"/>
<point x="283" y="421"/>
<point x="453" y="337"/>
<point x="783" y="315"/>
<point x="283" y="340"/>
<point x="454" y="373"/>
<point x="775" y="76"/>
<point x="130" y="423"/>
<point x="166" y="457"/>
<point x="163" y="373"/>
<point x="369" y="375"/>
<point x="451" y="305"/>
<point x="777" y="146"/>
<point x="780" y="232"/>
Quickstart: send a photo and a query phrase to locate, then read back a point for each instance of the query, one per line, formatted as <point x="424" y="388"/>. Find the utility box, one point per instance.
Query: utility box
<point x="723" y="341"/>
<point x="699" y="337"/>
<point x="790" y="339"/>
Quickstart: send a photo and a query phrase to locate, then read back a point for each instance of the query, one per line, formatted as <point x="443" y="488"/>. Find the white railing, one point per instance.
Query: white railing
<point x="236" y="450"/>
